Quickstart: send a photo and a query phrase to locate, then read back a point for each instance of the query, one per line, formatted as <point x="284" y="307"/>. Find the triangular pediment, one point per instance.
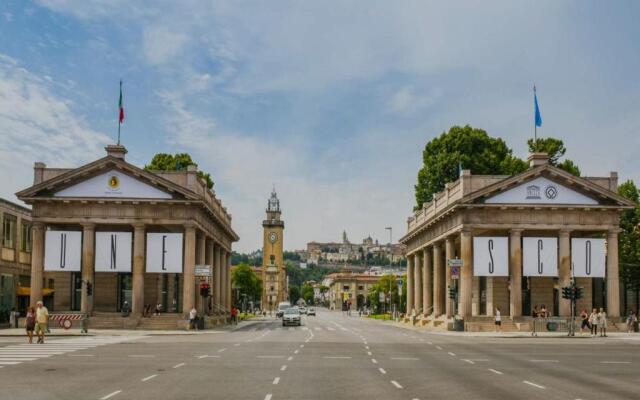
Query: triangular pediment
<point x="113" y="183"/>
<point x="547" y="185"/>
<point x="108" y="177"/>
<point x="541" y="190"/>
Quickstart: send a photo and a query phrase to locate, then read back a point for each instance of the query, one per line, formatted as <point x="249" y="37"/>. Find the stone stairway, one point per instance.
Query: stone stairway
<point x="111" y="320"/>
<point x="167" y="321"/>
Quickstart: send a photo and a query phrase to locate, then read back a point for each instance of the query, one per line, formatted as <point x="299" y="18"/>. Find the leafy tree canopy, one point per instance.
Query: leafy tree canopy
<point x="555" y="149"/>
<point x="629" y="239"/>
<point x="247" y="281"/>
<point x="176" y="162"/>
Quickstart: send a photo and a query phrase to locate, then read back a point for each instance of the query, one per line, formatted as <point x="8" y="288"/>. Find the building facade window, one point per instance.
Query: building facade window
<point x="8" y="231"/>
<point x="25" y="238"/>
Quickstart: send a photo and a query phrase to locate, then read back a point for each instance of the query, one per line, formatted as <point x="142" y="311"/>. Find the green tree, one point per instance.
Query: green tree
<point x="466" y="147"/>
<point x="629" y="239"/>
<point x="294" y="294"/>
<point x="246" y="281"/>
<point x="306" y="292"/>
<point x="556" y="150"/>
<point x="386" y="284"/>
<point x="176" y="162"/>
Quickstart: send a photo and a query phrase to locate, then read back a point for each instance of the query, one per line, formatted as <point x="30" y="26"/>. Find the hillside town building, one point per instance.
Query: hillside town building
<point x="519" y="240"/>
<point x="345" y="251"/>
<point x="108" y="235"/>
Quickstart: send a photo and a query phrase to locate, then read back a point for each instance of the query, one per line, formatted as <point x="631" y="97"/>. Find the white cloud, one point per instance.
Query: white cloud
<point x="406" y="101"/>
<point x="161" y="45"/>
<point x="38" y="125"/>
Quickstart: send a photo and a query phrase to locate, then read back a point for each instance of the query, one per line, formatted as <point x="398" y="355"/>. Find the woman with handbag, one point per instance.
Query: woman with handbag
<point x="30" y="323"/>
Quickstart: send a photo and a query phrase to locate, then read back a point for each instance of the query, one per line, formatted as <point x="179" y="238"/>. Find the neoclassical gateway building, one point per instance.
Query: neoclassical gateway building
<point x="519" y="240"/>
<point x="109" y="232"/>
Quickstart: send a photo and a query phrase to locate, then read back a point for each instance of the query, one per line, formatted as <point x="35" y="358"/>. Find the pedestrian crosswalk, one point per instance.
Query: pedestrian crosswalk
<point x="291" y="328"/>
<point x="24" y="352"/>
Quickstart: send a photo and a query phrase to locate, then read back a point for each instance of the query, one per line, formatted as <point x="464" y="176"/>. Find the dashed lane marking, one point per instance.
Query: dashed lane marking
<point x="270" y="356"/>
<point x="110" y="395"/>
<point x="336" y="357"/>
<point x="283" y="368"/>
<point x="544" y="361"/>
<point x="373" y="360"/>
<point x="468" y="361"/>
<point x="179" y="365"/>
<point x="438" y="347"/>
<point x="495" y="371"/>
<point x="382" y="371"/>
<point x="149" y="377"/>
<point x="207" y="356"/>
<point x="369" y="353"/>
<point x="268" y="397"/>
<point x="405" y="358"/>
<point x="276" y="380"/>
<point x="533" y="384"/>
<point x="615" y="362"/>
<point x="396" y="384"/>
<point x="221" y="350"/>
<point x="452" y="354"/>
<point x="296" y="352"/>
<point x="290" y="358"/>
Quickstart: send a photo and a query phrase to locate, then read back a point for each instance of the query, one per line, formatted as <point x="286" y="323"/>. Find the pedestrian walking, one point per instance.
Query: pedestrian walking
<point x="535" y="313"/>
<point x="193" y="318"/>
<point x="498" y="320"/>
<point x="42" y="321"/>
<point x="543" y="312"/>
<point x="234" y="315"/>
<point x="158" y="308"/>
<point x="584" y="325"/>
<point x="126" y="309"/>
<point x="631" y="322"/>
<point x="30" y="323"/>
<point x="593" y="320"/>
<point x="602" y="322"/>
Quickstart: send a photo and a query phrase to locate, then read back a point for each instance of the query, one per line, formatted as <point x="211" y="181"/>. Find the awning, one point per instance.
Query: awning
<point x="26" y="291"/>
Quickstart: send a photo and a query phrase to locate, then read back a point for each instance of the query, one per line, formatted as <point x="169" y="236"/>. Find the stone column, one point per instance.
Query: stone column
<point x="438" y="281"/>
<point x="515" y="272"/>
<point x="211" y="262"/>
<point x="188" y="286"/>
<point x="137" y="297"/>
<point x="466" y="273"/>
<point x="417" y="286"/>
<point x="410" y="303"/>
<point x="88" y="263"/>
<point x="229" y="291"/>
<point x="218" y="279"/>
<point x="613" y="278"/>
<point x="223" y="282"/>
<point x="201" y="259"/>
<point x="427" y="283"/>
<point x="37" y="262"/>
<point x="450" y="253"/>
<point x="564" y="270"/>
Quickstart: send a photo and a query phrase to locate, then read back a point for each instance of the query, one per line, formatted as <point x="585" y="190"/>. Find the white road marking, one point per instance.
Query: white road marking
<point x="544" y="361"/>
<point x="79" y="355"/>
<point x="110" y="395"/>
<point x="296" y="352"/>
<point x="430" y="343"/>
<point x="301" y="346"/>
<point x="207" y="356"/>
<point x="533" y="384"/>
<point x="366" y="347"/>
<point x="267" y="397"/>
<point x="369" y="353"/>
<point x="438" y="347"/>
<point x="336" y="357"/>
<point x="405" y="358"/>
<point x="382" y="371"/>
<point x="495" y="371"/>
<point x="270" y="356"/>
<point x="141" y="355"/>
<point x="283" y="368"/>
<point x="236" y="344"/>
<point x="17" y="359"/>
<point x="452" y="354"/>
<point x="221" y="350"/>
<point x="373" y="360"/>
<point x="179" y="365"/>
<point x="615" y="362"/>
<point x="276" y="380"/>
<point x="396" y="384"/>
<point x="149" y="377"/>
<point x="468" y="361"/>
<point x="290" y="358"/>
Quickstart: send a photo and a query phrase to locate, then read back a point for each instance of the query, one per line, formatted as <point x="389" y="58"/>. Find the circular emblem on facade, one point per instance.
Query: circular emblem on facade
<point x="114" y="182"/>
<point x="551" y="192"/>
<point x="273" y="237"/>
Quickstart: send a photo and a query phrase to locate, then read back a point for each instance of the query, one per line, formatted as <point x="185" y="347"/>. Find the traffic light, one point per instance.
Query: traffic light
<point x="452" y="292"/>
<point x="566" y="292"/>
<point x="204" y="289"/>
<point x="578" y="293"/>
<point x="89" y="289"/>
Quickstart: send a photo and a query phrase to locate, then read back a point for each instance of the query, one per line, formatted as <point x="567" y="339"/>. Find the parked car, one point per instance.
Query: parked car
<point x="291" y="316"/>
<point x="303" y="310"/>
<point x="281" y="307"/>
<point x="311" y="311"/>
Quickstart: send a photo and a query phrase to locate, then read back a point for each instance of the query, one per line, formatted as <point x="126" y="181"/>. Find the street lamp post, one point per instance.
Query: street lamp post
<point x="390" y="229"/>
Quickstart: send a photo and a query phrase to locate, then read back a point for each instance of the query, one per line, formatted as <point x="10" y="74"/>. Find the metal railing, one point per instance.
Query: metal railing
<point x="553" y="325"/>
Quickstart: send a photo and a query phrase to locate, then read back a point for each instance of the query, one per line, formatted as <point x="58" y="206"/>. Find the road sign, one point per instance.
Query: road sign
<point x="455" y="272"/>
<point x="400" y="282"/>
<point x="203" y="270"/>
<point x="454" y="262"/>
<point x="382" y="297"/>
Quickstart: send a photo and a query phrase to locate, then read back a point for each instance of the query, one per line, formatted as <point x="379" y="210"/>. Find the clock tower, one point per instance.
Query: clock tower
<point x="274" y="277"/>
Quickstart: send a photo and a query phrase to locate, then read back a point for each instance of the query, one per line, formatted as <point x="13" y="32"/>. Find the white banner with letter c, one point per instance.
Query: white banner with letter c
<point x="490" y="256"/>
<point x="540" y="256"/>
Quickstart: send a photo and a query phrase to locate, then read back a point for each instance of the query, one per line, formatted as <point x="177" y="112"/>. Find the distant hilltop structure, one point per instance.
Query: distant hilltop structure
<point x="345" y="251"/>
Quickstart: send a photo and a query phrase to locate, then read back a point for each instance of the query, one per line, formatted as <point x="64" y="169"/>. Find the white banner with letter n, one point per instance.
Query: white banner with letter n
<point x="540" y="256"/>
<point x="164" y="253"/>
<point x="490" y="256"/>
<point x="588" y="258"/>
<point x="62" y="251"/>
<point x="113" y="251"/>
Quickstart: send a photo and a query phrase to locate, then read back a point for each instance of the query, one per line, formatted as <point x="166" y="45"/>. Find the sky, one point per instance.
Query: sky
<point x="330" y="101"/>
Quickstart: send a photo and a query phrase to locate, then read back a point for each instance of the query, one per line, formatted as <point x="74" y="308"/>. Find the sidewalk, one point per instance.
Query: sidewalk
<point x="59" y="332"/>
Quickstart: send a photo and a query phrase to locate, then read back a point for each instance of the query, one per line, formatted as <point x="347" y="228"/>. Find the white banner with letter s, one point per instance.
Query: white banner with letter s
<point x="490" y="256"/>
<point x="113" y="251"/>
<point x="588" y="258"/>
<point x="540" y="256"/>
<point x="62" y="251"/>
<point x="164" y="253"/>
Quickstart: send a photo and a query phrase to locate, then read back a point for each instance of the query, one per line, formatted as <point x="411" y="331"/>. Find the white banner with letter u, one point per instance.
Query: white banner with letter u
<point x="62" y="251"/>
<point x="588" y="258"/>
<point x="490" y="256"/>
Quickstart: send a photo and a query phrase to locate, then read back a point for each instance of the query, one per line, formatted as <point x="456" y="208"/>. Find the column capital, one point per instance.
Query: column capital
<point x="139" y="226"/>
<point x="88" y="226"/>
<point x="465" y="231"/>
<point x="37" y="225"/>
<point x="564" y="232"/>
<point x="516" y="231"/>
<point x="613" y="232"/>
<point x="450" y="239"/>
<point x="190" y="225"/>
<point x="437" y="245"/>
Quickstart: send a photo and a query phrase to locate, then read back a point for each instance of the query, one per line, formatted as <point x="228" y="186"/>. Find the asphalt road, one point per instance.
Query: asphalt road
<point x="330" y="357"/>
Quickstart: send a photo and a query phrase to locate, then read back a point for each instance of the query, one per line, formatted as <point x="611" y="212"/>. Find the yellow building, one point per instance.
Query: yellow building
<point x="274" y="282"/>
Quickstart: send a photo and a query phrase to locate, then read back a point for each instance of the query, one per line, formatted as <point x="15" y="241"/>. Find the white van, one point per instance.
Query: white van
<point x="283" y="305"/>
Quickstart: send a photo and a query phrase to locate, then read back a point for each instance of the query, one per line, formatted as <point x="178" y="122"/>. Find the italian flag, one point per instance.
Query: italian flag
<point x="121" y="106"/>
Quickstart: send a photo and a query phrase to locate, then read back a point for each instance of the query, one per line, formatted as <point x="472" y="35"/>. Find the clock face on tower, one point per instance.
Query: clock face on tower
<point x="273" y="237"/>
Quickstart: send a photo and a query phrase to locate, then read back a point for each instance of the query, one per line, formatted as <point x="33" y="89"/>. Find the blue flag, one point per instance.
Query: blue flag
<point x="538" y="117"/>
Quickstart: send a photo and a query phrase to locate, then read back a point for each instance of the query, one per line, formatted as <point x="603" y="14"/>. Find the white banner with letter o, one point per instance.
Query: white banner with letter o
<point x="588" y="258"/>
<point x="540" y="256"/>
<point x="62" y="251"/>
<point x="113" y="251"/>
<point x="490" y="256"/>
<point x="164" y="252"/>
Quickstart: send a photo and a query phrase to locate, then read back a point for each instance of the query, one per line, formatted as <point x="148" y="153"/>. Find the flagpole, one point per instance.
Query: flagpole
<point x="119" y="108"/>
<point x="535" y="125"/>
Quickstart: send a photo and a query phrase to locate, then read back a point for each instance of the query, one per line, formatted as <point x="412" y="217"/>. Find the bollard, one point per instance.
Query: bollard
<point x="85" y="323"/>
